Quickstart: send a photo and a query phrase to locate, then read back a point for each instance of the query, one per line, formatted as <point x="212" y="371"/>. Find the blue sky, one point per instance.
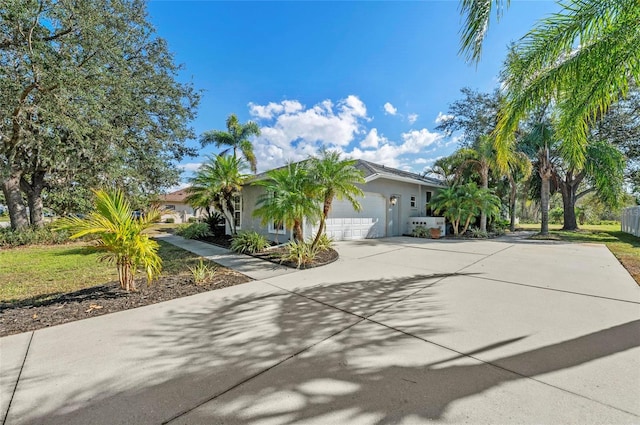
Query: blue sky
<point x="367" y="78"/>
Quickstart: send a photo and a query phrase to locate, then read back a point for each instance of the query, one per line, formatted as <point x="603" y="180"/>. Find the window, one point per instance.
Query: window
<point x="427" y="206"/>
<point x="170" y="207"/>
<point x="237" y="211"/>
<point x="277" y="227"/>
<point x="413" y="201"/>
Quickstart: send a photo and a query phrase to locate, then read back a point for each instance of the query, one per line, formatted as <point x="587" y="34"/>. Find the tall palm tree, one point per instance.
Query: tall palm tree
<point x="335" y="178"/>
<point x="519" y="168"/>
<point x="481" y="157"/>
<point x="583" y="59"/>
<point x="541" y="140"/>
<point x="236" y="138"/>
<point x="290" y="197"/>
<point x="477" y="15"/>
<point x="216" y="183"/>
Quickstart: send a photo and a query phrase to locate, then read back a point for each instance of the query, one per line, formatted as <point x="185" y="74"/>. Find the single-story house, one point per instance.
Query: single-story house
<point x="394" y="202"/>
<point x="176" y="207"/>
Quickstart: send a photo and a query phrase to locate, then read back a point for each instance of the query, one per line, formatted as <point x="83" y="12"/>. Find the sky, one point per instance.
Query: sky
<point x="368" y="78"/>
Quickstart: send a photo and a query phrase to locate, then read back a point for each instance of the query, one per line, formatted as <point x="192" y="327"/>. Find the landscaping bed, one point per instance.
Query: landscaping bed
<point x="39" y="303"/>
<point x="104" y="299"/>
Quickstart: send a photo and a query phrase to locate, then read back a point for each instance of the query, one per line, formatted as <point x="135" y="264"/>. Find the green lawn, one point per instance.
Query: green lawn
<point x="624" y="246"/>
<point x="40" y="272"/>
<point x="4" y="218"/>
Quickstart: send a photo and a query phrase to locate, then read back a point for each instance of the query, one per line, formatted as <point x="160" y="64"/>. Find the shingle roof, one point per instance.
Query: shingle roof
<point x="177" y="196"/>
<point x="371" y="169"/>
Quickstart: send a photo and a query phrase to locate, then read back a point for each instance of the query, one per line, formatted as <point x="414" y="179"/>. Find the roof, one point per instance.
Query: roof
<point x="372" y="171"/>
<point x="177" y="196"/>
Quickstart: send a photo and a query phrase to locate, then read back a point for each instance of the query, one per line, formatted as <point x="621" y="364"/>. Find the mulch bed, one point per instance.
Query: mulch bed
<point x="274" y="255"/>
<point x="104" y="299"/>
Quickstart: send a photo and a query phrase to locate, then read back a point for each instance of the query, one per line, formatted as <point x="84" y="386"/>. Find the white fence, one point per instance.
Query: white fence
<point x="631" y="220"/>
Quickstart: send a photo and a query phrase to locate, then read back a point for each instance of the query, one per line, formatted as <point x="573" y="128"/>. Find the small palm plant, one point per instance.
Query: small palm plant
<point x="120" y="235"/>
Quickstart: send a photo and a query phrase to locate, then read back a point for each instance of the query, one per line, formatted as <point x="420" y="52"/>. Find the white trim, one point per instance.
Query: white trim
<point x="237" y="212"/>
<point x="272" y="229"/>
<point x="400" y="179"/>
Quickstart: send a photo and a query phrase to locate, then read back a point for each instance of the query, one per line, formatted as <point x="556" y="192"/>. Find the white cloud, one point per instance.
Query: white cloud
<point x="190" y="166"/>
<point x="420" y="161"/>
<point x="443" y="117"/>
<point x="390" y="109"/>
<point x="412" y="118"/>
<point x="389" y="153"/>
<point x="373" y="139"/>
<point x="293" y="131"/>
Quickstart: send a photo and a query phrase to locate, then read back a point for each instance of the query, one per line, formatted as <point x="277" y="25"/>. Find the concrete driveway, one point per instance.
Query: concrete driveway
<point x="398" y="330"/>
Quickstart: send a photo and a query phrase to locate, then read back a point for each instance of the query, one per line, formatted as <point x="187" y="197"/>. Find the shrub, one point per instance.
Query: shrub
<point x="216" y="223"/>
<point x="556" y="215"/>
<point x="192" y="220"/>
<point x="32" y="236"/>
<point x="300" y="252"/>
<point x="120" y="235"/>
<point x="202" y="272"/>
<point x="420" y="232"/>
<point x="170" y="220"/>
<point x="475" y="232"/>
<point x="193" y="230"/>
<point x="324" y="243"/>
<point x="249" y="242"/>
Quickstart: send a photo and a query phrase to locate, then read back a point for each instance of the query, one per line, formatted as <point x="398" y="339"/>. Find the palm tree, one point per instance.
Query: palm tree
<point x="519" y="168"/>
<point x="216" y="183"/>
<point x="290" y="197"/>
<point x="583" y="59"/>
<point x="541" y="140"/>
<point x="477" y="15"/>
<point x="482" y="158"/>
<point x="120" y="235"/>
<point x="461" y="203"/>
<point x="335" y="178"/>
<point x="236" y="138"/>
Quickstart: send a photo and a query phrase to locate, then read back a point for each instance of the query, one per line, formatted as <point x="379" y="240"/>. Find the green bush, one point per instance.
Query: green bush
<point x="420" y="232"/>
<point x="249" y="242"/>
<point x="300" y="253"/>
<point x="556" y="215"/>
<point x="193" y="230"/>
<point x="324" y="243"/>
<point x="32" y="236"/>
<point x="202" y="272"/>
<point x="192" y="220"/>
<point x="170" y="220"/>
<point x="475" y="232"/>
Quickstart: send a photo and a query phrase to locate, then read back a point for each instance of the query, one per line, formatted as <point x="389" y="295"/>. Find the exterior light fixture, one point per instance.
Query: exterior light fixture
<point x="393" y="200"/>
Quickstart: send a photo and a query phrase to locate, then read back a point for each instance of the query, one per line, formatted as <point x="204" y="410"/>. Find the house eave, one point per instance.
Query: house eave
<point x="401" y="179"/>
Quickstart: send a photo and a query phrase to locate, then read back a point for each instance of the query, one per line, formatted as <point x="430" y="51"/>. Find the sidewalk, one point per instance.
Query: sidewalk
<point x="253" y="267"/>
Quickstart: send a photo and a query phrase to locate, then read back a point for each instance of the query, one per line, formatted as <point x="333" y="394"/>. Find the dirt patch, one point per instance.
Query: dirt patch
<point x="275" y="256"/>
<point x="104" y="299"/>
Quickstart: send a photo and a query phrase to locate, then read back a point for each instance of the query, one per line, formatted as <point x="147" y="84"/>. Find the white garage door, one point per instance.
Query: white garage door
<point x="346" y="224"/>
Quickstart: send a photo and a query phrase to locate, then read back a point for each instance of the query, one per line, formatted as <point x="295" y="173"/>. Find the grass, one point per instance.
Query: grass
<point x="41" y="272"/>
<point x="624" y="246"/>
<point x="4" y="218"/>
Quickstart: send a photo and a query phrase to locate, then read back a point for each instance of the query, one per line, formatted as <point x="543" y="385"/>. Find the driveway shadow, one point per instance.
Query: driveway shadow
<point x="287" y="359"/>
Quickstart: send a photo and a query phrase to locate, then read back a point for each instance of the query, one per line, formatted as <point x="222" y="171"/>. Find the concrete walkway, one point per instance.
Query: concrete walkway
<point x="253" y="267"/>
<point x="399" y="330"/>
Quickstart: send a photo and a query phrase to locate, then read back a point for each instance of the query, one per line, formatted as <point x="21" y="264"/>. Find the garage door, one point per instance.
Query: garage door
<point x="346" y="224"/>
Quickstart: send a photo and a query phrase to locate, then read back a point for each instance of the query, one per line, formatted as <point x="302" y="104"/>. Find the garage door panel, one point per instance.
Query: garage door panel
<point x="344" y="223"/>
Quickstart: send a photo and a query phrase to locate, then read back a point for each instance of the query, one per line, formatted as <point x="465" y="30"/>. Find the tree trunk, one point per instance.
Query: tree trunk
<point x="544" y="204"/>
<point x="513" y="195"/>
<point x="33" y="191"/>
<point x="569" y="188"/>
<point x="485" y="185"/>
<point x="15" y="203"/>
<point x="297" y="231"/>
<point x="326" y="208"/>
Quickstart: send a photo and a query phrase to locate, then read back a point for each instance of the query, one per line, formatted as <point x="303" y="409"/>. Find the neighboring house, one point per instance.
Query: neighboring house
<point x="394" y="202"/>
<point x="176" y="207"/>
